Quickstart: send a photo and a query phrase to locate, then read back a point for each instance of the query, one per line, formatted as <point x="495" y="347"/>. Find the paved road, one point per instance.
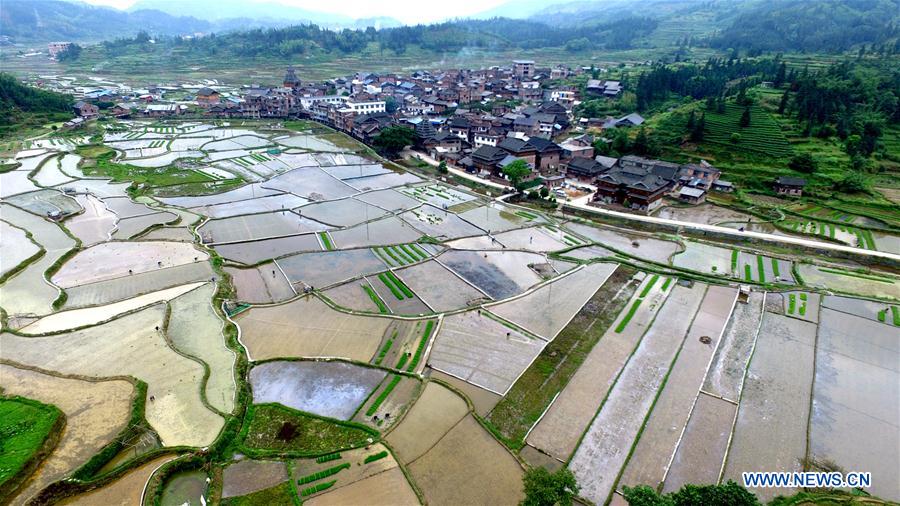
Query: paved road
<point x="456" y="172"/>
<point x="737" y="233"/>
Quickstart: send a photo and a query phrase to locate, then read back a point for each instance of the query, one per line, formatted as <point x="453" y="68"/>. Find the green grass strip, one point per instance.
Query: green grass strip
<point x="666" y="284"/>
<point x="734" y="260"/>
<point x="802" y="307"/>
<point x="631" y="311"/>
<point x="525" y="214"/>
<point x="792" y="303"/>
<point x="775" y="269"/>
<point x="870" y="277"/>
<point x="649" y="286"/>
<point x="400" y="285"/>
<point x="317" y="488"/>
<point x="761" y="268"/>
<point x="402" y="362"/>
<point x="325" y="473"/>
<point x="882" y="315"/>
<point x="382" y="308"/>
<point x="326" y="241"/>
<point x="387" y="282"/>
<point x="870" y="239"/>
<point x="328" y="458"/>
<point x="377" y="456"/>
<point x="421" y="348"/>
<point x="748" y="272"/>
<point x="383" y="395"/>
<point x="895" y="313"/>
<point x="803" y="296"/>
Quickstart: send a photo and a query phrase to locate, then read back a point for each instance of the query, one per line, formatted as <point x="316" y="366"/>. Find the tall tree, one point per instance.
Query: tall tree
<point x="745" y="118"/>
<point x="516" y="171"/>
<point x="543" y="488"/>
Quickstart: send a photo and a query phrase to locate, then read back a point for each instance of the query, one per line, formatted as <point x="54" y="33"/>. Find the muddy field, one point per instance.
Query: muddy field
<point x="248" y="476"/>
<point x="96" y="411"/>
<point x="436" y="412"/>
<point x="307" y="327"/>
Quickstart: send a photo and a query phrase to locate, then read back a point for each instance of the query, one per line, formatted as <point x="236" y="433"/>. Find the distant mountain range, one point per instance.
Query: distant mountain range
<point x="770" y="25"/>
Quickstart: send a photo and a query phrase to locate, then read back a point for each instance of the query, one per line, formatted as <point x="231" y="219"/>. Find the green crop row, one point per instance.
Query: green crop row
<point x="382" y="308"/>
<point x="383" y="395"/>
<point x="386" y="348"/>
<point x="421" y="348"/>
<point x="761" y="268"/>
<point x="377" y="456"/>
<point x="326" y="241"/>
<point x="328" y="458"/>
<point x="318" y="488"/>
<point x="325" y="473"/>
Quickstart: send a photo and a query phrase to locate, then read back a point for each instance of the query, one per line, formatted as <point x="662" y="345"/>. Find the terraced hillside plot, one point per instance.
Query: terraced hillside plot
<point x="96" y="411"/>
<point x="382" y="181"/>
<point x="658" y="441"/>
<point x="257" y="226"/>
<point x="540" y="239"/>
<point x="402" y="254"/>
<point x="726" y="371"/>
<point x="44" y="202"/>
<point x="855" y="397"/>
<point x="248" y="476"/>
<point x="250" y="191"/>
<point x="15" y="182"/>
<point x="707" y="214"/>
<point x="439" y="288"/>
<point x="262" y="284"/>
<point x="50" y="173"/>
<point x="181" y="234"/>
<point x="332" y="389"/>
<point x="310" y="183"/>
<point x="559" y="431"/>
<point x="847" y="281"/>
<point x="858" y="307"/>
<point x="701" y="451"/>
<point x="482" y="351"/>
<point x="343" y="212"/>
<point x="648" y="248"/>
<point x="762" y="269"/>
<point x="74" y="318"/>
<point x="15" y="248"/>
<point x="468" y="466"/>
<point x="803" y="305"/>
<point x="389" y="200"/>
<point x="483" y="401"/>
<point x="604" y="449"/>
<point x="352" y="467"/>
<point x="252" y="252"/>
<point x="132" y="227"/>
<point x="355" y="171"/>
<point x="396" y="295"/>
<point x="130" y="346"/>
<point x="310" y="142"/>
<point x="327" y="268"/>
<point x="127" y="490"/>
<point x="495" y="217"/>
<point x="126" y="287"/>
<point x="548" y="309"/>
<point x="357" y="295"/>
<point x="389" y="230"/>
<point x="95" y="224"/>
<point x="500" y="274"/>
<point x="124" y="207"/>
<point x="28" y="292"/>
<point x="282" y="202"/>
<point x="439" y="223"/>
<point x="116" y="259"/>
<point x="387" y="403"/>
<point x="402" y="341"/>
<point x="704" y="258"/>
<point x="307" y="327"/>
<point x="388" y="487"/>
<point x="436" y="412"/>
<point x="438" y="195"/>
<point x="774" y="402"/>
<point x="195" y="329"/>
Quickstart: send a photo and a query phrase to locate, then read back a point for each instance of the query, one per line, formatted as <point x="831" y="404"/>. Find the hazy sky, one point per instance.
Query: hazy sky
<point x="408" y="11"/>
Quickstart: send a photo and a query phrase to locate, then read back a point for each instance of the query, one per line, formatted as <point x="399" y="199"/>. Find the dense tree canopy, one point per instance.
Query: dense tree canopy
<point x="17" y="98"/>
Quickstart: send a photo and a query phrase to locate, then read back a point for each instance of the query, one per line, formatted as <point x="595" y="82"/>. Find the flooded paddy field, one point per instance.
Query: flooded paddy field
<point x="262" y="284"/>
<point x="332" y="389"/>
<point x="439" y="287"/>
<point x="568" y="294"/>
<point x="16" y="247"/>
<point x="327" y="268"/>
<point x="500" y="274"/>
<point x="253" y="252"/>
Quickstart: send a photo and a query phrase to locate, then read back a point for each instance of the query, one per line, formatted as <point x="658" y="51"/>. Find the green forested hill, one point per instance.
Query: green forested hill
<point x="23" y="104"/>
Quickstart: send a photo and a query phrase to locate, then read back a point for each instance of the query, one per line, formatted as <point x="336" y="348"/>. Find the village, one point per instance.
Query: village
<point x="474" y="121"/>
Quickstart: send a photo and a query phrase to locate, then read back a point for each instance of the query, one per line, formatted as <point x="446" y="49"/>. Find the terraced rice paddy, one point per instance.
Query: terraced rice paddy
<point x="369" y="314"/>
